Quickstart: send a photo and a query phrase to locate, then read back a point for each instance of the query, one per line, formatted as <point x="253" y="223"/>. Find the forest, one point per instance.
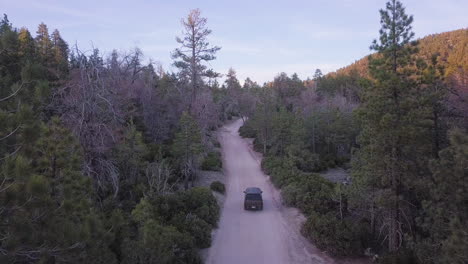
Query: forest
<point x="99" y="154"/>
<point x="396" y="121"/>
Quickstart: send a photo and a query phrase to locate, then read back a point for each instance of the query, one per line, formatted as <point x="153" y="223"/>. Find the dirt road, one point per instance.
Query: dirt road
<point x="270" y="236"/>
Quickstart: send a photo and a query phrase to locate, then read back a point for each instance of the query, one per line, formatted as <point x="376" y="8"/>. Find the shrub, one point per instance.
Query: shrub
<point x="247" y="130"/>
<point x="212" y="162"/>
<point x="218" y="186"/>
<point x="289" y="194"/>
<point x="156" y="243"/>
<point x="310" y="193"/>
<point x="216" y="143"/>
<point x="280" y="173"/>
<point x="402" y="256"/>
<point x="307" y="161"/>
<point x="199" y="230"/>
<point x="339" y="237"/>
<point x="202" y="203"/>
<point x="314" y="196"/>
<point x="182" y="219"/>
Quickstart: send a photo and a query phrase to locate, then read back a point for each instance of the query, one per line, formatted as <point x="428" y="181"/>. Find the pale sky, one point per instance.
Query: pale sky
<point x="259" y="38"/>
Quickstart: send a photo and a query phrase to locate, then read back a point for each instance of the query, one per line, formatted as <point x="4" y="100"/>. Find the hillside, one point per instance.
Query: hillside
<point x="450" y="45"/>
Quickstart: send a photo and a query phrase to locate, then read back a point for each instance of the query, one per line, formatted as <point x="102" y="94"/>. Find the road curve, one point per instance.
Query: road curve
<point x="269" y="236"/>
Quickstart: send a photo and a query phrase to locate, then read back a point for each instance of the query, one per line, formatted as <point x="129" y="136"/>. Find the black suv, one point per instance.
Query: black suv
<point x="253" y="199"/>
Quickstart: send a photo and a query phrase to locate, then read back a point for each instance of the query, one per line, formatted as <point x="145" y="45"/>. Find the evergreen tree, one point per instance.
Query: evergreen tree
<point x="48" y="201"/>
<point x="187" y="147"/>
<point x="44" y="44"/>
<point x="434" y="95"/>
<point x="59" y="53"/>
<point x="194" y="51"/>
<point x="249" y="84"/>
<point x="262" y="119"/>
<point x="231" y="80"/>
<point x="231" y="103"/>
<point x="394" y="144"/>
<point x="287" y="90"/>
<point x="129" y="155"/>
<point x="444" y="220"/>
<point x="27" y="49"/>
<point x="9" y="76"/>
<point x="318" y="75"/>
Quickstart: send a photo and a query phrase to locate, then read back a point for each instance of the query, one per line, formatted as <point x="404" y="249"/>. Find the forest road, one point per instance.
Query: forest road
<point x="270" y="236"/>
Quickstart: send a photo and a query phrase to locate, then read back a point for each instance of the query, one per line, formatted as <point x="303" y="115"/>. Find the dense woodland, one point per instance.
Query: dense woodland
<point x="98" y="153"/>
<point x="396" y="121"/>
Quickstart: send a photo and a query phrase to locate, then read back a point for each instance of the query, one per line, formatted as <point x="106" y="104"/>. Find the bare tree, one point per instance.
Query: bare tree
<point x="96" y="104"/>
<point x="158" y="175"/>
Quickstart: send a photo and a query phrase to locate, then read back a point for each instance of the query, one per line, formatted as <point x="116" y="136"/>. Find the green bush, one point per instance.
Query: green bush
<point x="184" y="219"/>
<point x="216" y="143"/>
<point x="402" y="256"/>
<point x="314" y="196"/>
<point x="212" y="162"/>
<point x="310" y="193"/>
<point x="307" y="161"/>
<point x="218" y="186"/>
<point x="202" y="203"/>
<point x="199" y="230"/>
<point x="339" y="237"/>
<point x="289" y="194"/>
<point x="156" y="244"/>
<point x="280" y="173"/>
<point x="247" y="130"/>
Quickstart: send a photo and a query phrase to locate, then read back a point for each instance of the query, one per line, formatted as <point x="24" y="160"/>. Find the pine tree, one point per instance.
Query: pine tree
<point x="231" y="80"/>
<point x="27" y="49"/>
<point x="47" y="202"/>
<point x="262" y="118"/>
<point x="187" y="147"/>
<point x="9" y="76"/>
<point x="233" y="94"/>
<point x="444" y="222"/>
<point x="59" y="52"/>
<point x="249" y="84"/>
<point x="435" y="100"/>
<point x="194" y="51"/>
<point x="318" y="75"/>
<point x="129" y="155"/>
<point x="394" y="143"/>
<point x="287" y="90"/>
<point x="44" y="44"/>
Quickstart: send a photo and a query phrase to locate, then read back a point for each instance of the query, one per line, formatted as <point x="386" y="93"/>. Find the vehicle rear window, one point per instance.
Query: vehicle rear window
<point x="253" y="196"/>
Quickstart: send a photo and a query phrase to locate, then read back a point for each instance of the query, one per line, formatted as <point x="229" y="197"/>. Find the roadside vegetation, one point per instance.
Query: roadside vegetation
<point x="397" y="121"/>
<point x="98" y="154"/>
<point x="212" y="161"/>
<point x="218" y="186"/>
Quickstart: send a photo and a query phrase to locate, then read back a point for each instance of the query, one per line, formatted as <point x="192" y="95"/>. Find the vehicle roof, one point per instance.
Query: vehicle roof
<point x="253" y="190"/>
